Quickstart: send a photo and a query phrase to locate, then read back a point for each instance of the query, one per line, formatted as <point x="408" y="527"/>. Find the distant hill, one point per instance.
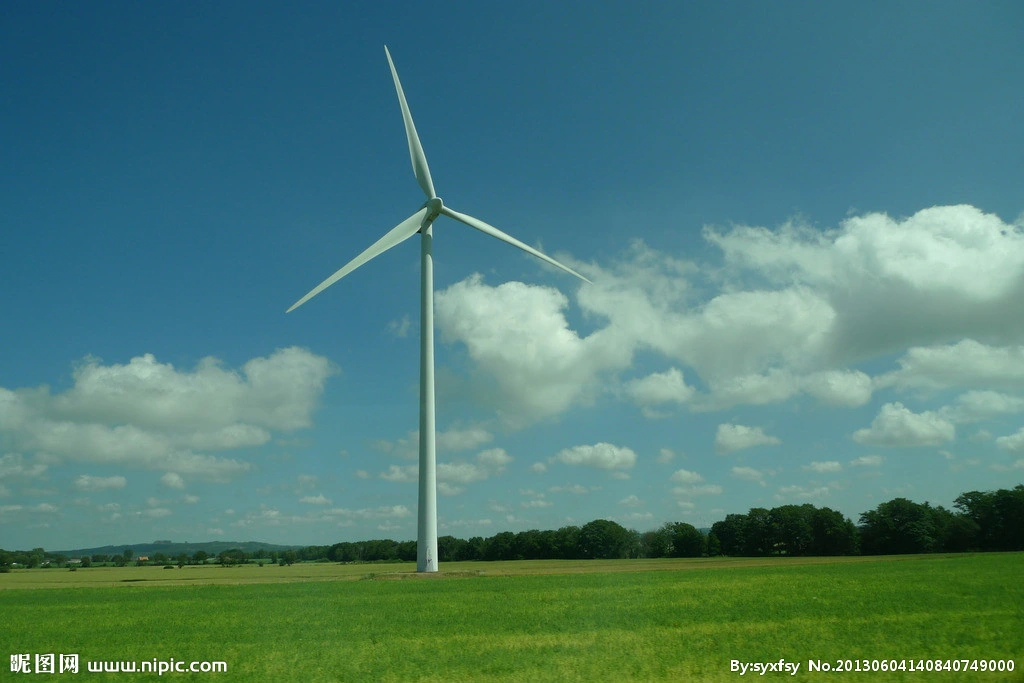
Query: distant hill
<point x="172" y="549"/>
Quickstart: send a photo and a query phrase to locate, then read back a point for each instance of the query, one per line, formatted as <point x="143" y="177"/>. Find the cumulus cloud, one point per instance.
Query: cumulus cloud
<point x="790" y="311"/>
<point x="173" y="480"/>
<point x="801" y="493"/>
<point x="462" y="439"/>
<point x="519" y="339"/>
<point x="686" y="477"/>
<point x="967" y="363"/>
<point x="455" y="439"/>
<point x="150" y="415"/>
<point x="14" y="465"/>
<point x="86" y="482"/>
<point x="946" y="271"/>
<point x="824" y="467"/>
<point x="603" y="456"/>
<point x="319" y="499"/>
<point x="454" y="476"/>
<point x="974" y="406"/>
<point x="660" y="387"/>
<point x="895" y="425"/>
<point x="732" y="437"/>
<point x="697" y="490"/>
<point x="747" y="473"/>
<point x="867" y="461"/>
<point x="846" y="388"/>
<point x="1013" y="443"/>
<point x="400" y="473"/>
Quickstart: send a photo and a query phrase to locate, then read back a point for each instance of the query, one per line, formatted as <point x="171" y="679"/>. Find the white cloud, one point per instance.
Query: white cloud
<point x="86" y="482"/>
<point x="403" y="473"/>
<point x="665" y="455"/>
<point x="1013" y="443"/>
<point x="974" y="406"/>
<point x="539" y="467"/>
<point x="603" y="456"/>
<point x="697" y="490"/>
<point x="536" y="503"/>
<point x="494" y="459"/>
<point x="400" y="328"/>
<point x="790" y="311"/>
<point x="895" y="425"/>
<point x="686" y="477"/>
<point x="529" y="363"/>
<point x="733" y="437"/>
<point x="631" y="501"/>
<point x="946" y="271"/>
<point x="967" y="363"/>
<point x="150" y="415"/>
<point x="190" y="499"/>
<point x="824" y="467"/>
<point x="319" y="499"/>
<point x="173" y="480"/>
<point x="462" y="439"/>
<point x="574" y="488"/>
<point x="749" y="474"/>
<point x="452" y="477"/>
<point x="13" y="465"/>
<point x="660" y="387"/>
<point x="846" y="388"/>
<point x="867" y="461"/>
<point x="801" y="493"/>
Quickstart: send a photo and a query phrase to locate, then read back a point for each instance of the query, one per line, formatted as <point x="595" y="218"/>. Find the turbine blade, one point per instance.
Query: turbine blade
<point x="494" y="232"/>
<point x="419" y="159"/>
<point x="401" y="232"/>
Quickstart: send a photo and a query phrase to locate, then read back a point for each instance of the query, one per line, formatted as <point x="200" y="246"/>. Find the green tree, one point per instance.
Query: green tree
<point x="758" y="536"/>
<point x="604" y="539"/>
<point x="792" y="529"/>
<point x="998" y="515"/>
<point x="685" y="539"/>
<point x="200" y="557"/>
<point x="501" y="546"/>
<point x="86" y="562"/>
<point x="714" y="545"/>
<point x="730" y="534"/>
<point x="833" y="534"/>
<point x="657" y="543"/>
<point x="899" y="526"/>
<point x="567" y="543"/>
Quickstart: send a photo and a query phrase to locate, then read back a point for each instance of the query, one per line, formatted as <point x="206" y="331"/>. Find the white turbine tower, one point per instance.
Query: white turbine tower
<point x="421" y="222"/>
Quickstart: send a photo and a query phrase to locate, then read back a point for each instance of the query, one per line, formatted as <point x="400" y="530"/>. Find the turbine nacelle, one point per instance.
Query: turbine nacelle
<point x="434" y="207"/>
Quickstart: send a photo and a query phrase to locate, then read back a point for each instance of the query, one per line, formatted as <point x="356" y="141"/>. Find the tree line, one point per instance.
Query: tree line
<point x="980" y="521"/>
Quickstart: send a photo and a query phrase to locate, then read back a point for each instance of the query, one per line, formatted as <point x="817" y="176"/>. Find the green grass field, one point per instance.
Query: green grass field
<point x="535" y="621"/>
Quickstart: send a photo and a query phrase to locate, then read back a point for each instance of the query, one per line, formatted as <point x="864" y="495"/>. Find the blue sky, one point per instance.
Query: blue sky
<point x="803" y="224"/>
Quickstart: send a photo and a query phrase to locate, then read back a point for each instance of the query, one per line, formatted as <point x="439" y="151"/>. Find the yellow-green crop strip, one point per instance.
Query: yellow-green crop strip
<point x="686" y="621"/>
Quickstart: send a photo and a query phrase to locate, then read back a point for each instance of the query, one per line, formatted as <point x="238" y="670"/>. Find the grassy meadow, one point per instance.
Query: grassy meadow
<point x="598" y="620"/>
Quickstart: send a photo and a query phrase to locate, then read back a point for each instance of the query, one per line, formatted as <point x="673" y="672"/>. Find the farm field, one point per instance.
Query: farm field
<point x="592" y="620"/>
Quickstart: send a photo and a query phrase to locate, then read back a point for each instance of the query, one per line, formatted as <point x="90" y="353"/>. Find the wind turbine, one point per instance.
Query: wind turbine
<point x="422" y="222"/>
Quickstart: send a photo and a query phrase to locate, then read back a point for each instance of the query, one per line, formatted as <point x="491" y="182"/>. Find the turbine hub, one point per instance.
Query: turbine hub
<point x="433" y="205"/>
